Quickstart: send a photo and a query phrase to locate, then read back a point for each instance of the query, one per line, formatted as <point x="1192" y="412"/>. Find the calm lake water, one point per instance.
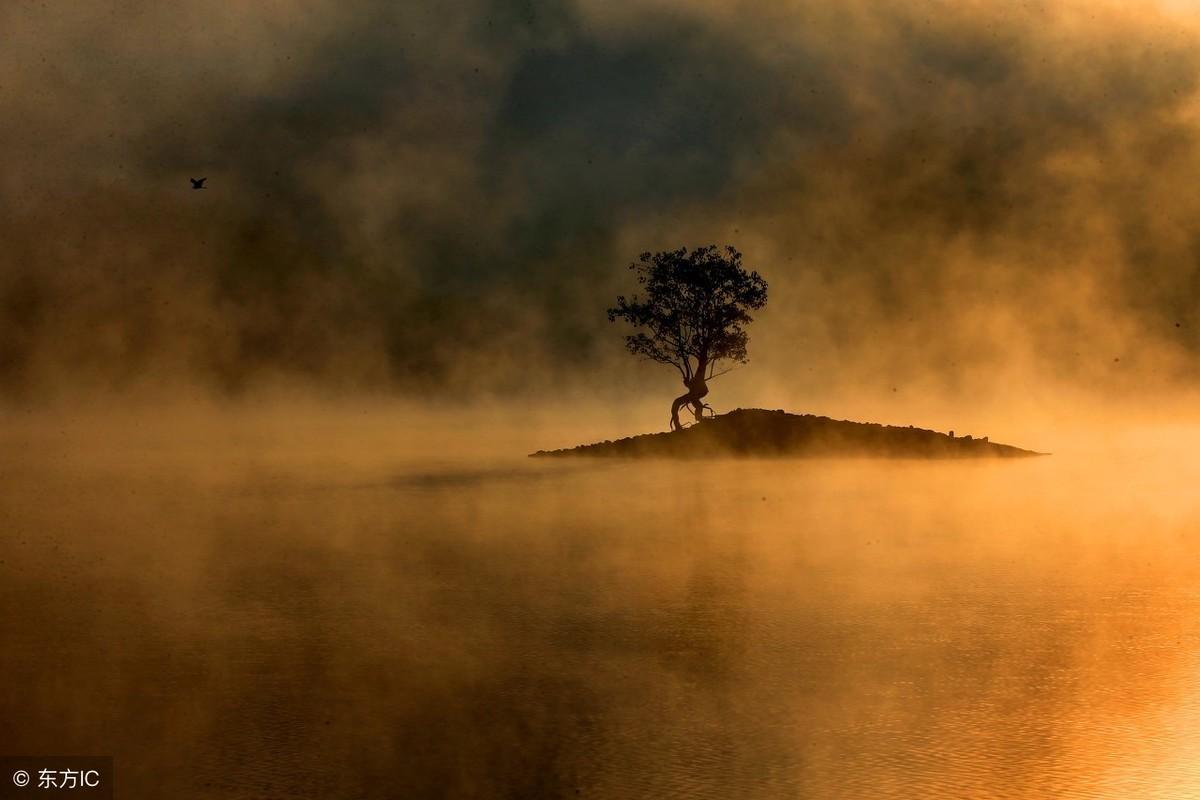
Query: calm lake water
<point x="528" y="629"/>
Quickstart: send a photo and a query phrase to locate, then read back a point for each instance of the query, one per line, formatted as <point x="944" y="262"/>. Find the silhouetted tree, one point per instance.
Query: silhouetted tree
<point x="694" y="311"/>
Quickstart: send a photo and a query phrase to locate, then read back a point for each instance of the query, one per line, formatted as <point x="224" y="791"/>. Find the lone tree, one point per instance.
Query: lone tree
<point x="694" y="312"/>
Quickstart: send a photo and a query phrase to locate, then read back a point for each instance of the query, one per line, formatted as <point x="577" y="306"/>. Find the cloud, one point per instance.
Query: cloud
<point x="433" y="203"/>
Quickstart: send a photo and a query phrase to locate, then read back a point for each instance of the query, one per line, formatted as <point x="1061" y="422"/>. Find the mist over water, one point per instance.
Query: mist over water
<point x="264" y="615"/>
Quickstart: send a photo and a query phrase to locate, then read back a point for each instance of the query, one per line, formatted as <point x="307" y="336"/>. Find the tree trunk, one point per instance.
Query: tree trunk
<point x="697" y="390"/>
<point x="677" y="404"/>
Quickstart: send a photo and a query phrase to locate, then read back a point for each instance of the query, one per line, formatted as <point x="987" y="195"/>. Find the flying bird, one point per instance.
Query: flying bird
<point x="197" y="183"/>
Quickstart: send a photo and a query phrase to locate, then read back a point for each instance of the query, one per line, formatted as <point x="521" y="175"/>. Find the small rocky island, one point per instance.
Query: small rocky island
<point x="750" y="432"/>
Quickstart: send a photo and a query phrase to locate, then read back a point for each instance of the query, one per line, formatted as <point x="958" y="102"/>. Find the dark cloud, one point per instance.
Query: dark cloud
<point x="405" y="198"/>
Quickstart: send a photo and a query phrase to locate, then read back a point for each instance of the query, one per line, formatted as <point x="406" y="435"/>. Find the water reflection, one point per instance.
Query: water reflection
<point x="752" y="629"/>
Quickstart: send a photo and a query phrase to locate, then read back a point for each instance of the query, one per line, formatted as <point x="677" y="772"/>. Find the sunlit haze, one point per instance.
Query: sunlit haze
<point x="291" y="291"/>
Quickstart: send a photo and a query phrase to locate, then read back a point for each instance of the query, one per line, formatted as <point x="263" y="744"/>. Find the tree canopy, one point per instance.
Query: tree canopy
<point x="692" y="313"/>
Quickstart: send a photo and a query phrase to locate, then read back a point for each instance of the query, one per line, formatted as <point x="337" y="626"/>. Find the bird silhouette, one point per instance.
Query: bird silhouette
<point x="197" y="183"/>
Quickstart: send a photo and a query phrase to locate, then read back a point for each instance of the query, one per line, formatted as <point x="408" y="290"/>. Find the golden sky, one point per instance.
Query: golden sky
<point x="954" y="198"/>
